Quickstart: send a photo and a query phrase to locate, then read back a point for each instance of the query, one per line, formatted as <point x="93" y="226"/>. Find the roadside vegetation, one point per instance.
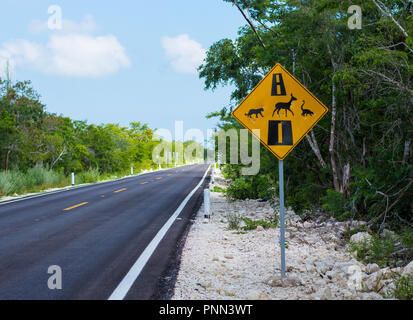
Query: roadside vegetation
<point x="356" y="164"/>
<point x="40" y="150"/>
<point x="403" y="288"/>
<point x="387" y="249"/>
<point x="237" y="222"/>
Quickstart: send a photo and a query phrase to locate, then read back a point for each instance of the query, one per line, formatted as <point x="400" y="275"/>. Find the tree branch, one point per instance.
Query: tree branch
<point x="385" y="11"/>
<point x="393" y="204"/>
<point x="250" y="23"/>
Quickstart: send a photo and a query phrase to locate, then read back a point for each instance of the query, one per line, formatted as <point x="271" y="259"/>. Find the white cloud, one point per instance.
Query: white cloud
<point x="85" y="56"/>
<point x="74" y="54"/>
<point x="185" y="55"/>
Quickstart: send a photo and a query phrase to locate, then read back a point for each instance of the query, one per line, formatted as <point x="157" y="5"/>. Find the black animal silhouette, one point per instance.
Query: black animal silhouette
<point x="306" y="112"/>
<point x="256" y="112"/>
<point x="284" y="105"/>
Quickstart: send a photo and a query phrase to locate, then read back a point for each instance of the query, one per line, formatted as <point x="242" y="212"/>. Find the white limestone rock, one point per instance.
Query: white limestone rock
<point x="408" y="270"/>
<point x="372" y="268"/>
<point x="360" y="237"/>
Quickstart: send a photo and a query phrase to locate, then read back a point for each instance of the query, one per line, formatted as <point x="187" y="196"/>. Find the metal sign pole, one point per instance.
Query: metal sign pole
<point x="282" y="229"/>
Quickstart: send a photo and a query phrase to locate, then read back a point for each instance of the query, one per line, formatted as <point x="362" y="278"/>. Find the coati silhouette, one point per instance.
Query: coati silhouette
<point x="284" y="105"/>
<point x="306" y="112"/>
<point x="256" y="112"/>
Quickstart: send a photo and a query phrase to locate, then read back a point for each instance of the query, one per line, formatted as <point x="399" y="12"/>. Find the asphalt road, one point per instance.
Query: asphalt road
<point x="94" y="234"/>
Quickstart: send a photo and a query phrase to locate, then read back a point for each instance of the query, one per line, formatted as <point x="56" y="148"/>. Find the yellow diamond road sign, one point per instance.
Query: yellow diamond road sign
<point x="282" y="109"/>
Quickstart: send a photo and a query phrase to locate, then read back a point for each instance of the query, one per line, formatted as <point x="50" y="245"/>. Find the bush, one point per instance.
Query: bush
<point x="218" y="189"/>
<point x="11" y="182"/>
<point x="403" y="288"/>
<point x="35" y="179"/>
<point x="369" y="203"/>
<point x="253" y="187"/>
<point x="233" y="221"/>
<point x="380" y="250"/>
<point x="336" y="204"/>
<point x="253" y="224"/>
<point x="41" y="177"/>
<point x="304" y="197"/>
<point x="240" y="189"/>
<point x="90" y="176"/>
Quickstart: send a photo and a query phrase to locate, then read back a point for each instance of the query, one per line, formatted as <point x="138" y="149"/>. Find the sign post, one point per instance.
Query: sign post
<point x="280" y="112"/>
<point x="282" y="223"/>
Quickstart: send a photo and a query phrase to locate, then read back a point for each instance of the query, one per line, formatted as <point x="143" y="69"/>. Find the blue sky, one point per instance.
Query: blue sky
<point x="118" y="62"/>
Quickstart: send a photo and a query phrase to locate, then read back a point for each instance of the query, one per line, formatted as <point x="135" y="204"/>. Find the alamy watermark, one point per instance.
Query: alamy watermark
<point x="231" y="146"/>
<point x="355" y="277"/>
<point x="55" y="280"/>
<point x="55" y="21"/>
<point x="355" y="21"/>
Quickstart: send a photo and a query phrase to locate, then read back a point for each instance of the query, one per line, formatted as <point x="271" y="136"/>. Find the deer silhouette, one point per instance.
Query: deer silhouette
<point x="284" y="105"/>
<point x="306" y="112"/>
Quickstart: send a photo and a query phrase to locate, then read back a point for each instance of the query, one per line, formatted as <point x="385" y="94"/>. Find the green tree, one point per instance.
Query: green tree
<point x="362" y="148"/>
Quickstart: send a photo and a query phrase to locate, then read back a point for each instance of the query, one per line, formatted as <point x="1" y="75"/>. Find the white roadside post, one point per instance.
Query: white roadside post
<point x="207" y="204"/>
<point x="73" y="178"/>
<point x="131" y="171"/>
<point x="213" y="175"/>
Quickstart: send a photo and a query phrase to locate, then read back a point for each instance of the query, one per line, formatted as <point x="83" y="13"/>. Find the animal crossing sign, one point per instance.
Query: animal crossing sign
<point x="282" y="109"/>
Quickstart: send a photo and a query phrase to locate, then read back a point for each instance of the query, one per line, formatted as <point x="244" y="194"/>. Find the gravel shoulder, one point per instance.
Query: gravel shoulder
<point x="217" y="263"/>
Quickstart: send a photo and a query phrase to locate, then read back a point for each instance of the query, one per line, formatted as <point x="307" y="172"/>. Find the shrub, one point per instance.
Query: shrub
<point x="11" y="182"/>
<point x="253" y="187"/>
<point x="253" y="224"/>
<point x="239" y="189"/>
<point x="233" y="221"/>
<point x="403" y="288"/>
<point x="304" y="197"/>
<point x="35" y="179"/>
<point x="218" y="189"/>
<point x="89" y="176"/>
<point x="378" y="250"/>
<point x="41" y="177"/>
<point x="335" y="203"/>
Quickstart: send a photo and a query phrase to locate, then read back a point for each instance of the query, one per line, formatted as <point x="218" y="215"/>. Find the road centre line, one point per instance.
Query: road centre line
<point x="120" y="190"/>
<point x="75" y="206"/>
<point x="124" y="286"/>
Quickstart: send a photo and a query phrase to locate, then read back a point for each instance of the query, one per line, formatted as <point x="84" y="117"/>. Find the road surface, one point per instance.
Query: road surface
<point x="96" y="234"/>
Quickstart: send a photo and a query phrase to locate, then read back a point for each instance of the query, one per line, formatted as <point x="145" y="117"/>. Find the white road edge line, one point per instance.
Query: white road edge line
<point x="124" y="286"/>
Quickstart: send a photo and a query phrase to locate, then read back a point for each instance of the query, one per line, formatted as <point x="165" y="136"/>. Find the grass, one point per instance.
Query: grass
<point x="386" y="250"/>
<point x="34" y="180"/>
<point x="218" y="189"/>
<point x="38" y="178"/>
<point x="403" y="288"/>
<point x="234" y="221"/>
<point x="253" y="224"/>
<point x="90" y="176"/>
